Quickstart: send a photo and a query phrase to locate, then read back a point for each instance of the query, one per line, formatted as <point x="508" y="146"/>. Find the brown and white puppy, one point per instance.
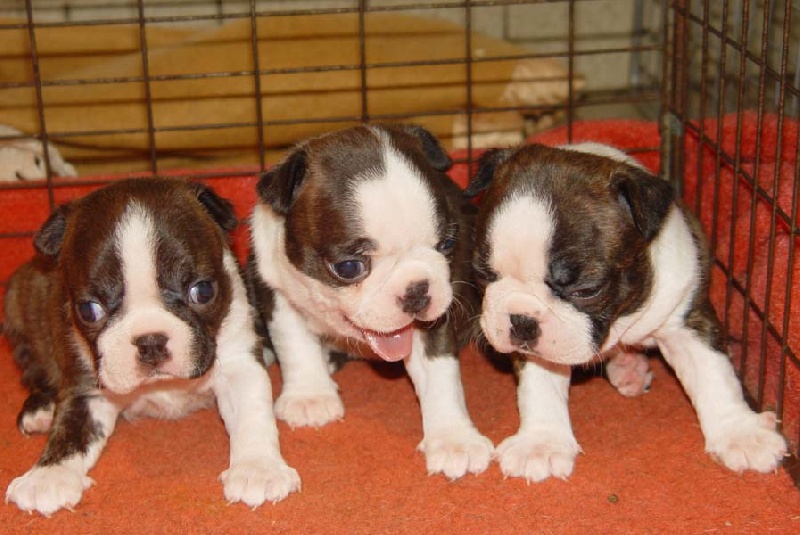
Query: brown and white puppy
<point x="134" y="304"/>
<point x="360" y="244"/>
<point x="581" y="251"/>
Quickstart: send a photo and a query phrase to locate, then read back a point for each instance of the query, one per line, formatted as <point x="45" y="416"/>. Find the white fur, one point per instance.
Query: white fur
<point x="598" y="149"/>
<point x="257" y="472"/>
<point x="675" y="279"/>
<point x="405" y="252"/>
<point x="47" y="489"/>
<point x="450" y="442"/>
<point x="398" y="212"/>
<point x="520" y="257"/>
<point x="740" y="438"/>
<point x="309" y="396"/>
<point x="544" y="446"/>
<point x="142" y="312"/>
<point x="405" y="255"/>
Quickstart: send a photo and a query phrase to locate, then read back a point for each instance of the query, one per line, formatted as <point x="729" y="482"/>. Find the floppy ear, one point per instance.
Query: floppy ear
<point x="50" y="237"/>
<point x="487" y="165"/>
<point x="220" y="209"/>
<point x="278" y="187"/>
<point x="431" y="147"/>
<point x="646" y="198"/>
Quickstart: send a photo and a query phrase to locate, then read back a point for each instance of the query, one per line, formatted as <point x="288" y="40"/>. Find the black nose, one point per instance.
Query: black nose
<point x="152" y="348"/>
<point x="524" y="328"/>
<point x="416" y="298"/>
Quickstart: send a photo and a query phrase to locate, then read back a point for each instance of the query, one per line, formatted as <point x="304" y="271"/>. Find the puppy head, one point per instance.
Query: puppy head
<point x="562" y="246"/>
<point x="371" y="222"/>
<point x="142" y="265"/>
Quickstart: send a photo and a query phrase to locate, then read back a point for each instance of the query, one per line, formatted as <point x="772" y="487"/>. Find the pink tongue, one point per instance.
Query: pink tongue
<point x="391" y="347"/>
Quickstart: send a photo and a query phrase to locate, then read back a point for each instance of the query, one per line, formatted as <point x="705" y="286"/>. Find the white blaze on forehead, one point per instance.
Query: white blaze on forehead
<point x="520" y="234"/>
<point x="136" y="243"/>
<point x="599" y="149"/>
<point x="398" y="207"/>
<point x="142" y="310"/>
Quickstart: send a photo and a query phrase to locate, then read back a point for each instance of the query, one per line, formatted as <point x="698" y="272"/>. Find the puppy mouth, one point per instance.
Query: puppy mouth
<point x="393" y="346"/>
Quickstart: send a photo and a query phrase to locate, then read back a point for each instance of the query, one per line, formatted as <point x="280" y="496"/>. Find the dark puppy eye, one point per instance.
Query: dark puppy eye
<point x="349" y="270"/>
<point x="446" y="246"/>
<point x="202" y="292"/>
<point x="90" y="311"/>
<point x="38" y="161"/>
<point x="587" y="293"/>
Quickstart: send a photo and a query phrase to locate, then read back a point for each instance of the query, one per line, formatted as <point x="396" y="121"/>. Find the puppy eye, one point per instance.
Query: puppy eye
<point x="584" y="294"/>
<point x="202" y="292"/>
<point x="349" y="270"/>
<point x="38" y="161"/>
<point x="90" y="311"/>
<point x="446" y="246"/>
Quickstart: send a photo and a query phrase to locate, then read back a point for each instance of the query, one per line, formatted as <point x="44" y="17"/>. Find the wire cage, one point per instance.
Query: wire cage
<point x="730" y="140"/>
<point x="705" y="91"/>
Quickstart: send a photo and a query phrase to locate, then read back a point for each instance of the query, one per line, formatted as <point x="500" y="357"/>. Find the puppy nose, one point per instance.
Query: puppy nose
<point x="524" y="328"/>
<point x="152" y="348"/>
<point x="416" y="298"/>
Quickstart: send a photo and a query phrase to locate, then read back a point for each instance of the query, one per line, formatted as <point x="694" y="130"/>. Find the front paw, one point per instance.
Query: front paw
<point x="255" y="482"/>
<point x="538" y="455"/>
<point x="47" y="489"/>
<point x="299" y="410"/>
<point x="454" y="452"/>
<point x="748" y="442"/>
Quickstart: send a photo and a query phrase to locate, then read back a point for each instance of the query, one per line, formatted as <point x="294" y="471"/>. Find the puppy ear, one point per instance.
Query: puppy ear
<point x="431" y="147"/>
<point x="646" y="198"/>
<point x="220" y="209"/>
<point x="487" y="165"/>
<point x="50" y="237"/>
<point x="278" y="187"/>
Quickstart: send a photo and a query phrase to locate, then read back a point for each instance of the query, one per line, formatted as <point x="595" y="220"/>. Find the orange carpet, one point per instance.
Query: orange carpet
<point x="643" y="470"/>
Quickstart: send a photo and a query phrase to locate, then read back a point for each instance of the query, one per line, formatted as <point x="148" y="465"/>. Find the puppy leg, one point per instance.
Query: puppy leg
<point x="36" y="415"/>
<point x="58" y="479"/>
<point x="309" y="397"/>
<point x="629" y="372"/>
<point x="257" y="471"/>
<point x="451" y="443"/>
<point x="544" y="446"/>
<point x="738" y="437"/>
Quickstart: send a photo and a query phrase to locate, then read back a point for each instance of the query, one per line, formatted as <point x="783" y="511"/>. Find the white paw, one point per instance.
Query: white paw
<point x="37" y="422"/>
<point x="454" y="452"/>
<point x="629" y="373"/>
<point x="748" y="442"/>
<point x="537" y="455"/>
<point x="309" y="410"/>
<point x="256" y="482"/>
<point x="47" y="489"/>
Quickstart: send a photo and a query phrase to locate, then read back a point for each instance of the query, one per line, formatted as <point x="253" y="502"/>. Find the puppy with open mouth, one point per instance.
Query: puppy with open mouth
<point x="580" y="251"/>
<point x="134" y="305"/>
<point x="360" y="244"/>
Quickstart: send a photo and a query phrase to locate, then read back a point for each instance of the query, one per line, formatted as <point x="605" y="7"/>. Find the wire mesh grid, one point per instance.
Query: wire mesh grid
<point x="732" y="123"/>
<point x="218" y="90"/>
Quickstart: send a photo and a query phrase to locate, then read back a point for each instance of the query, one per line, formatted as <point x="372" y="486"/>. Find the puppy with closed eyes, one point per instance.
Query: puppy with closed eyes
<point x="580" y="251"/>
<point x="134" y="305"/>
<point x="360" y="244"/>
